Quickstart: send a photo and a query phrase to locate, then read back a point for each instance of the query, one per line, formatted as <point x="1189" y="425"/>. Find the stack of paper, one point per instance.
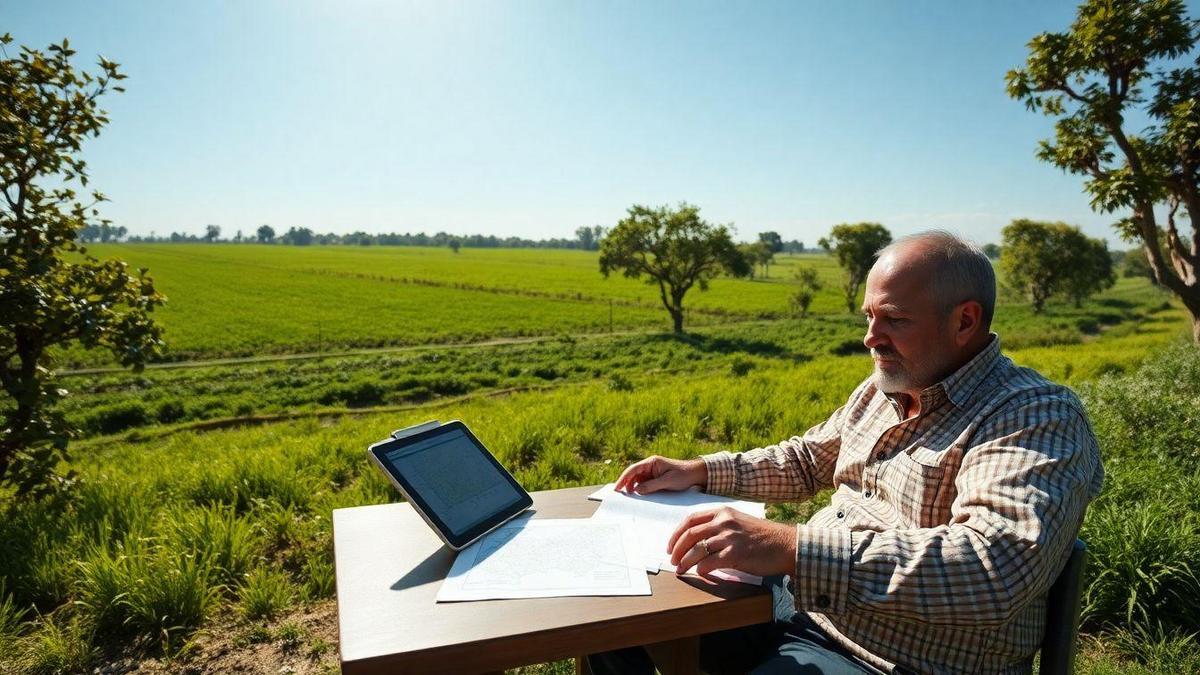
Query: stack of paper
<point x="654" y="518"/>
<point x="548" y="558"/>
<point x="607" y="554"/>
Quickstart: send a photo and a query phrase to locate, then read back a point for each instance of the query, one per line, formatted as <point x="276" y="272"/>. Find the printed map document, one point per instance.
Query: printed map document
<point x="654" y="517"/>
<point x="544" y="558"/>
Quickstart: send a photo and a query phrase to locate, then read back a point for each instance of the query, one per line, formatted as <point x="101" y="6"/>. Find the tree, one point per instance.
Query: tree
<point x="266" y="234"/>
<point x="1090" y="270"/>
<point x="757" y="254"/>
<point x="673" y="248"/>
<point x="1116" y="65"/>
<point x="52" y="292"/>
<point x="807" y="286"/>
<point x="211" y="232"/>
<point x="297" y="236"/>
<point x="589" y="237"/>
<point x="1042" y="259"/>
<point x="771" y="239"/>
<point x="992" y="251"/>
<point x="764" y="255"/>
<point x="455" y="244"/>
<point x="855" y="247"/>
<point x="1134" y="264"/>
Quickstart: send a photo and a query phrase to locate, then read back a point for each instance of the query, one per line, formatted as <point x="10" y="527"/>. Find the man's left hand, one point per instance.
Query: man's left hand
<point x="734" y="540"/>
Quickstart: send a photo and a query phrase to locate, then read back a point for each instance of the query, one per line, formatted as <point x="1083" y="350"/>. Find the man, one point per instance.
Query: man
<point x="960" y="484"/>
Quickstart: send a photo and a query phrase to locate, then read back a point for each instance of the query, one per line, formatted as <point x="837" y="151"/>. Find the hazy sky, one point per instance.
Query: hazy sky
<point x="533" y="118"/>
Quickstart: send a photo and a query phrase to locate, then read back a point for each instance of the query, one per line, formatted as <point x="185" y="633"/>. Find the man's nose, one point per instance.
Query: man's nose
<point x="874" y="337"/>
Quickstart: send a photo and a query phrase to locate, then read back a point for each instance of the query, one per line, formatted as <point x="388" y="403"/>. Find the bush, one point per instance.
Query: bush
<point x="264" y="593"/>
<point x="170" y="411"/>
<point x="220" y="538"/>
<point x="173" y="597"/>
<point x="848" y="347"/>
<point x="1144" y="530"/>
<point x="618" y="382"/>
<point x="1143" y="566"/>
<point x="12" y="617"/>
<point x="117" y="417"/>
<point x="354" y="394"/>
<point x="318" y="574"/>
<point x="740" y="366"/>
<point x="61" y="645"/>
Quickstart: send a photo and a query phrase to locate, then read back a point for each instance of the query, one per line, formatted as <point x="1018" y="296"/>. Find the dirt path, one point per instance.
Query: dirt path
<point x="304" y="356"/>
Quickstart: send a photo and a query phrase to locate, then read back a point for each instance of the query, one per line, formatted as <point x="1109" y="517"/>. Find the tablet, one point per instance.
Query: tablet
<point x="452" y="480"/>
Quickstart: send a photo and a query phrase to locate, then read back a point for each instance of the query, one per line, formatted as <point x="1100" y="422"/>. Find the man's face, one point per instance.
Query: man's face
<point x="910" y="341"/>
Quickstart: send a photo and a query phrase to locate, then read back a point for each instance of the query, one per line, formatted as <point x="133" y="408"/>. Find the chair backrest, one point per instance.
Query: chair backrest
<point x="1062" y="616"/>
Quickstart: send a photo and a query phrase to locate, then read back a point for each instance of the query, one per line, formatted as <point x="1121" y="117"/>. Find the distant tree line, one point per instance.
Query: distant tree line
<point x="586" y="238"/>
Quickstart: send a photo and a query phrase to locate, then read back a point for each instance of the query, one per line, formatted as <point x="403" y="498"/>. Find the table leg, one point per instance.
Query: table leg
<point x="676" y="657"/>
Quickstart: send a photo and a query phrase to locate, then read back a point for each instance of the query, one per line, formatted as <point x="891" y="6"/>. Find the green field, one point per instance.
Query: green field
<point x="248" y="300"/>
<point x="199" y="530"/>
<point x="251" y="299"/>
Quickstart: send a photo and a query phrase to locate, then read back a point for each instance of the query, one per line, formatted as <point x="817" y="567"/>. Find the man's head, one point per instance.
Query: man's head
<point x="929" y="304"/>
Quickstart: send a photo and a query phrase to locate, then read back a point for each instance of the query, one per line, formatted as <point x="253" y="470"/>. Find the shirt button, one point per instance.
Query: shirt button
<point x="867" y="494"/>
<point x="841" y="514"/>
<point x="822" y="601"/>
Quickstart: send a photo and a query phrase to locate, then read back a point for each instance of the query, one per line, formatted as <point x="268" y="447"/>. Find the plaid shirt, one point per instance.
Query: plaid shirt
<point x="945" y="530"/>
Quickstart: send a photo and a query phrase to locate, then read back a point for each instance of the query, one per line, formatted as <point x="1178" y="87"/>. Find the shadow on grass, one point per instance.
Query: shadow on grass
<point x="733" y="345"/>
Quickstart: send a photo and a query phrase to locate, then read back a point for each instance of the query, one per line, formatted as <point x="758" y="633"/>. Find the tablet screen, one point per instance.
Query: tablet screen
<point x="455" y="477"/>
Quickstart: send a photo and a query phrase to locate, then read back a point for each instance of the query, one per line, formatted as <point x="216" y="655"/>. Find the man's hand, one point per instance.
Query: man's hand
<point x="734" y="540"/>
<point x="661" y="473"/>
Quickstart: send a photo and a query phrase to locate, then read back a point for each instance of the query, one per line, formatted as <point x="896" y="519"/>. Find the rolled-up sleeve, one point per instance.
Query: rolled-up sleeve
<point x="790" y="470"/>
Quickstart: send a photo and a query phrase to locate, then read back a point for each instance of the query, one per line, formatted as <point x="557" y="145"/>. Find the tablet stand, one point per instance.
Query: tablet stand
<point x="415" y="429"/>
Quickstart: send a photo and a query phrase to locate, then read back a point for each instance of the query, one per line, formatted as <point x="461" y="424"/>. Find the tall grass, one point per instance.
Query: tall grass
<point x="159" y="535"/>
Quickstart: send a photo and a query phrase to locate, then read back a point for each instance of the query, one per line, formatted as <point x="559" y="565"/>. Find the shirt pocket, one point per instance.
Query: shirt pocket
<point x="913" y="482"/>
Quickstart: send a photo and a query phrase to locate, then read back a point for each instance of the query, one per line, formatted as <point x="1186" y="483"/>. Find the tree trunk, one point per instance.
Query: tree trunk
<point x="677" y="318"/>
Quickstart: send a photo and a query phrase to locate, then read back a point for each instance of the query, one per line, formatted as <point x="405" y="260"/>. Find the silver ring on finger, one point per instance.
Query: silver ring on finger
<point x="704" y="546"/>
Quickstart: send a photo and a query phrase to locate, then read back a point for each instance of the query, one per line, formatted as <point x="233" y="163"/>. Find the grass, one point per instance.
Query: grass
<point x="226" y="300"/>
<point x="172" y="525"/>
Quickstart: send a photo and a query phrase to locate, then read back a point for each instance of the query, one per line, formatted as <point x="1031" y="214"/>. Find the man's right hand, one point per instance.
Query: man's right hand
<point x="662" y="473"/>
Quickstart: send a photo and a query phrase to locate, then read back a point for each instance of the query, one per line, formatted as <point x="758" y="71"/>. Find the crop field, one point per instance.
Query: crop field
<point x="246" y="300"/>
<point x="197" y="537"/>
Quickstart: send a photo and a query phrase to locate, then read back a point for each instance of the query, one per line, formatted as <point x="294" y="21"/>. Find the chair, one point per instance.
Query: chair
<point x="1062" y="616"/>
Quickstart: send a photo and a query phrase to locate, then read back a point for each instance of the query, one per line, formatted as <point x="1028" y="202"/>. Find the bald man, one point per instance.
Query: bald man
<point x="960" y="482"/>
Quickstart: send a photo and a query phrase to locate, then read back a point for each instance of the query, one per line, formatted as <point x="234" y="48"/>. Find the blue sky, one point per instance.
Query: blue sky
<point x="534" y="118"/>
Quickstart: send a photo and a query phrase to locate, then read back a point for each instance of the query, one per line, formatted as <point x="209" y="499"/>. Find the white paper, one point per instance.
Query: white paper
<point x="548" y="558"/>
<point x="653" y="518"/>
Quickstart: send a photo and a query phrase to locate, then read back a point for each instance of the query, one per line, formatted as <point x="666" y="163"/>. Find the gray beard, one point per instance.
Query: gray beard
<point x="906" y="380"/>
<point x="893" y="383"/>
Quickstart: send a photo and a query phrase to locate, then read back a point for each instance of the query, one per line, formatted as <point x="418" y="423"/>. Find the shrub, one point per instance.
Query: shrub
<point x="264" y="593"/>
<point x="219" y="537"/>
<point x="171" y="596"/>
<point x="1144" y="565"/>
<point x="60" y="645"/>
<point x="12" y="617"/>
<point x="105" y="577"/>
<point x="848" y="347"/>
<point x="354" y="394"/>
<point x="319" y="581"/>
<point x="117" y="417"/>
<point x="170" y="411"/>
<point x="740" y="366"/>
<point x="618" y="382"/>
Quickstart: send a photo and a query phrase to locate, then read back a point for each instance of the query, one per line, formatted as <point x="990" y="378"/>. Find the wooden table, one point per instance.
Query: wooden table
<point x="390" y="566"/>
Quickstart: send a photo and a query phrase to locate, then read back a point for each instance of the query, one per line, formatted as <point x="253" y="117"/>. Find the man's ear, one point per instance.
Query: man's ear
<point x="966" y="320"/>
